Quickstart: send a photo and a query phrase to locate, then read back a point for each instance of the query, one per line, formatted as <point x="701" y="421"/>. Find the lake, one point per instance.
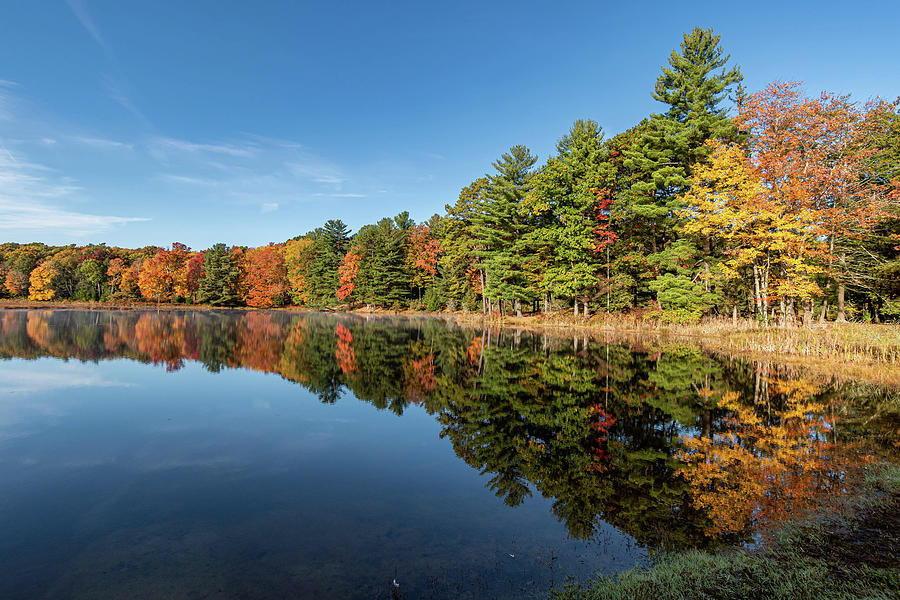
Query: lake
<point x="233" y="454"/>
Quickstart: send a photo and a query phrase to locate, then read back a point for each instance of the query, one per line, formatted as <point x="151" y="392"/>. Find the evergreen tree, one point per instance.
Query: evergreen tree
<point x="564" y="202"/>
<point x="382" y="279"/>
<point x="500" y="229"/>
<point x="219" y="283"/>
<point x="459" y="275"/>
<point x="330" y="243"/>
<point x="694" y="85"/>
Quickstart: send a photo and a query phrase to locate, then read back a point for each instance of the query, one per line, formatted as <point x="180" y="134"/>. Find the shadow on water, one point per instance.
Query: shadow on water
<point x="632" y="449"/>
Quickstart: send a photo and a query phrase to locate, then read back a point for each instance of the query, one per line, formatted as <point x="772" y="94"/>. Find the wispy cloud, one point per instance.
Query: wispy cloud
<point x="84" y="17"/>
<point x="115" y="89"/>
<point x="316" y="172"/>
<point x="6" y="99"/>
<point x="259" y="171"/>
<point x="188" y="180"/>
<point x="341" y="195"/>
<point x="31" y="380"/>
<point x="30" y="195"/>
<point x="161" y="145"/>
<point x="100" y="143"/>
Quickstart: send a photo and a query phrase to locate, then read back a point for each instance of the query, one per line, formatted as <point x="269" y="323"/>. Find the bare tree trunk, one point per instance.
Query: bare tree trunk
<point x="824" y="312"/>
<point x="734" y="315"/>
<point x="576" y="307"/>
<point x="841" y="315"/>
<point x="586" y="309"/>
<point x="518" y="308"/>
<point x="757" y="297"/>
<point x="484" y="302"/>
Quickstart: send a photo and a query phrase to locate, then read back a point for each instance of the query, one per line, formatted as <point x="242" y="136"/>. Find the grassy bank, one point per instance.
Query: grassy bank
<point x="849" y="552"/>
<point x="856" y="342"/>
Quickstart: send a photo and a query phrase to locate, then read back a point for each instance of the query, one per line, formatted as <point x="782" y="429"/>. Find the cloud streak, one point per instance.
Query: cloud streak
<point x="101" y="143"/>
<point x="84" y="17"/>
<point x="162" y="145"/>
<point x="29" y="198"/>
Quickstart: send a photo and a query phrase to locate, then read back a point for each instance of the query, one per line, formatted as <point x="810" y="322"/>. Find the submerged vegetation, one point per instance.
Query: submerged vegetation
<point x="769" y="206"/>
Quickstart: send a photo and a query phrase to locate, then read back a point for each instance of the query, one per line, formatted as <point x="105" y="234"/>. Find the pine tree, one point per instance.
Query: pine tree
<point x="500" y="229"/>
<point x="564" y="201"/>
<point x="694" y="85"/>
<point x="330" y="243"/>
<point x="382" y="279"/>
<point x="219" y="283"/>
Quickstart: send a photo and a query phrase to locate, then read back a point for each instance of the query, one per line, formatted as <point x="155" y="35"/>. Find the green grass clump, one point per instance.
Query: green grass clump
<point x="853" y="553"/>
<point x="701" y="576"/>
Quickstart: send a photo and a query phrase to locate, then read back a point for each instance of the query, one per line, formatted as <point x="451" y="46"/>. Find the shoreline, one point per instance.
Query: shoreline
<point x="846" y="551"/>
<point x="858" y="351"/>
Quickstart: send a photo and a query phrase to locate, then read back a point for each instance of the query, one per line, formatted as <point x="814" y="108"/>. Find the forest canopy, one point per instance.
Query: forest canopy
<point x="776" y="204"/>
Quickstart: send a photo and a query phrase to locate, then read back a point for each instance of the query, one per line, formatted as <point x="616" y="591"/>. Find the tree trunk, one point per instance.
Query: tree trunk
<point x="518" y="308"/>
<point x="484" y="306"/>
<point x="576" y="307"/>
<point x="734" y="315"/>
<point x="824" y="312"/>
<point x="841" y="316"/>
<point x="757" y="297"/>
<point x="586" y="309"/>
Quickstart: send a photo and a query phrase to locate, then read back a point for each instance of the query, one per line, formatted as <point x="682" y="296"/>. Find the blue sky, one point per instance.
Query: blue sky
<point x="136" y="122"/>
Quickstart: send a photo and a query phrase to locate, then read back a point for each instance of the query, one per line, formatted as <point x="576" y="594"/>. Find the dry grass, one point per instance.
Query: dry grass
<point x="856" y="343"/>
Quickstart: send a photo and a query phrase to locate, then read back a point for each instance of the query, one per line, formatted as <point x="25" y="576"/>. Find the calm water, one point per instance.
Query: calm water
<point x="276" y="455"/>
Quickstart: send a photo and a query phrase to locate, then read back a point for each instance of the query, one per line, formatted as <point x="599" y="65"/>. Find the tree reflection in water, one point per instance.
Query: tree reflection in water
<point x="673" y="446"/>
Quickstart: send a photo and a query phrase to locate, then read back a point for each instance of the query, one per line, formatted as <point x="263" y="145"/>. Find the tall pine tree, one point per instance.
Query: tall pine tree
<point x="500" y="229"/>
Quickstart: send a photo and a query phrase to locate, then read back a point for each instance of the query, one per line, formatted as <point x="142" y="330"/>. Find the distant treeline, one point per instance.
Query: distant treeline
<point x="771" y="205"/>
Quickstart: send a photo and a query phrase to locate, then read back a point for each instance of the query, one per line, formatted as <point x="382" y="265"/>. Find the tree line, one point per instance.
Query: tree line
<point x="771" y="205"/>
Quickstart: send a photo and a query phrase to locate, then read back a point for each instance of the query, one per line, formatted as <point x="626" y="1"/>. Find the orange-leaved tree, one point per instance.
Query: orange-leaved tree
<point x="265" y="276"/>
<point x="422" y="251"/>
<point x="809" y="155"/>
<point x="347" y="273"/>
<point x="163" y="277"/>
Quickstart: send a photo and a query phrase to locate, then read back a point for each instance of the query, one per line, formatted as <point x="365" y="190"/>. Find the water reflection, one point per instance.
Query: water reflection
<point x="674" y="447"/>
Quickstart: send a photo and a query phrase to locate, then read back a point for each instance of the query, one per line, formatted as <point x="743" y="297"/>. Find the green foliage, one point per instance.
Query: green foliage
<point x="562" y="204"/>
<point x="601" y="222"/>
<point x="681" y="299"/>
<point x="219" y="283"/>
<point x="660" y="158"/>
<point x="382" y="279"/>
<point x="433" y="299"/>
<point x="499" y="227"/>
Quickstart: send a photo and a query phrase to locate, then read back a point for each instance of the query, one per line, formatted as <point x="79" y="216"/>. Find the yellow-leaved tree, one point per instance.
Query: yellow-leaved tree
<point x="41" y="279"/>
<point x="768" y="242"/>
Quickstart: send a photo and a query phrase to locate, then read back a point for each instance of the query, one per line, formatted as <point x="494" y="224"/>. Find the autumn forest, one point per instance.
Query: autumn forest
<point x="778" y="205"/>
